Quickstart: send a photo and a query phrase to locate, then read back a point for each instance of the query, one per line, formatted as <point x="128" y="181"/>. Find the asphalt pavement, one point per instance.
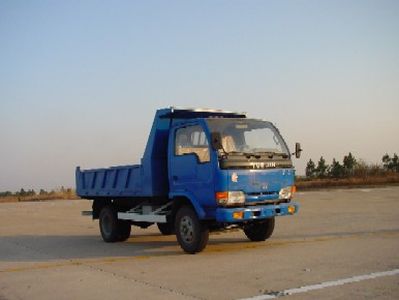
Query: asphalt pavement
<point x="343" y="244"/>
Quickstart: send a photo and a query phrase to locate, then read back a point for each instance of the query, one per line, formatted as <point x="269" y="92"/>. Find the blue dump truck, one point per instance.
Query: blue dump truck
<point x="202" y="170"/>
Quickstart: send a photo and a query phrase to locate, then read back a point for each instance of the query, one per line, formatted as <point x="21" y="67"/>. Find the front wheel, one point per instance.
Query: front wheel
<point x="191" y="234"/>
<point x="259" y="231"/>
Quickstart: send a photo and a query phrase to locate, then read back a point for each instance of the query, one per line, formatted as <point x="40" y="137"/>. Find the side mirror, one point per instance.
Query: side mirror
<point x="298" y="150"/>
<point x="216" y="140"/>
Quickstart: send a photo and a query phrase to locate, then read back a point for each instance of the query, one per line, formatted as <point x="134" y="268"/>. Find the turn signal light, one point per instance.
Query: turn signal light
<point x="291" y="209"/>
<point x="293" y="189"/>
<point x="222" y="195"/>
<point x="238" y="215"/>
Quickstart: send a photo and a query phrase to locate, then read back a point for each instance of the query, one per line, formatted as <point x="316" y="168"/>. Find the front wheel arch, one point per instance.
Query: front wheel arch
<point x="187" y="199"/>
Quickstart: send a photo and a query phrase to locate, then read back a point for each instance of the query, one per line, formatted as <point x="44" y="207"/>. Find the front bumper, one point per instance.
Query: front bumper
<point x="259" y="212"/>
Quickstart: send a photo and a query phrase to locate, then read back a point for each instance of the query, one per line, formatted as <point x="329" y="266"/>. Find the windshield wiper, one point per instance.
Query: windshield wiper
<point x="270" y="154"/>
<point x="258" y="154"/>
<point x="283" y="155"/>
<point x="247" y="154"/>
<point x="235" y="152"/>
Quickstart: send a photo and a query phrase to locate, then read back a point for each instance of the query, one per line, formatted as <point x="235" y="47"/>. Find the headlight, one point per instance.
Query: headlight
<point x="287" y="192"/>
<point x="230" y="198"/>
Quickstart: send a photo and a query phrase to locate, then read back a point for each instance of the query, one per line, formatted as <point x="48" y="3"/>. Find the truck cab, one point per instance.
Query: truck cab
<point x="202" y="170"/>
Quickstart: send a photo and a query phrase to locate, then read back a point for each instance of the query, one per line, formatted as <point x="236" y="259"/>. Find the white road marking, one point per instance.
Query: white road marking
<point x="319" y="286"/>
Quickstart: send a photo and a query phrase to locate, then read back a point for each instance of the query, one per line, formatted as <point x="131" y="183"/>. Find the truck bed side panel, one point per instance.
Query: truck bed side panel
<point x="124" y="181"/>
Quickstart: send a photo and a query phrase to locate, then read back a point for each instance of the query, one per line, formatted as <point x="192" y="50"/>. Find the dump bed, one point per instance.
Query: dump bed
<point x="149" y="179"/>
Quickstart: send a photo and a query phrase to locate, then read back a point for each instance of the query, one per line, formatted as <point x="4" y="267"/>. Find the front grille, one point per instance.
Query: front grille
<point x="257" y="194"/>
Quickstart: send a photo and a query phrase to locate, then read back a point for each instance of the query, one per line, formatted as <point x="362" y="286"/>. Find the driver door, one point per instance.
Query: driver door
<point x="190" y="171"/>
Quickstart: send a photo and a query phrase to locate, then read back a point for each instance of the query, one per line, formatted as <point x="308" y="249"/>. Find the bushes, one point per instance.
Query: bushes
<point x="391" y="164"/>
<point x="351" y="173"/>
<point x="351" y="167"/>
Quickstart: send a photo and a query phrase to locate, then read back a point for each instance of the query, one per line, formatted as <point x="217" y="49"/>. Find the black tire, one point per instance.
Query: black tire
<point x="113" y="230"/>
<point x="124" y="230"/>
<point x="259" y="231"/>
<point x="166" y="228"/>
<point x="191" y="233"/>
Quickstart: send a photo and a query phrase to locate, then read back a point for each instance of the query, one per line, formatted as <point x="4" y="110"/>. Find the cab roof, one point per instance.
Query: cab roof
<point x="192" y="113"/>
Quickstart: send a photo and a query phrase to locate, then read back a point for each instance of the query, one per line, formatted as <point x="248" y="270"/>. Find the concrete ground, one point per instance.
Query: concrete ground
<point x="48" y="250"/>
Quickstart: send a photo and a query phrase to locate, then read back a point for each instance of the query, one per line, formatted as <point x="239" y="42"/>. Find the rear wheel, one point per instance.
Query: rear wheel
<point x="113" y="230"/>
<point x="259" y="231"/>
<point x="191" y="233"/>
<point x="166" y="228"/>
<point x="124" y="230"/>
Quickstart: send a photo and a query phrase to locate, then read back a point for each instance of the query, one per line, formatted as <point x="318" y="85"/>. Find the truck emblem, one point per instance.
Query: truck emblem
<point x="263" y="165"/>
<point x="234" y="177"/>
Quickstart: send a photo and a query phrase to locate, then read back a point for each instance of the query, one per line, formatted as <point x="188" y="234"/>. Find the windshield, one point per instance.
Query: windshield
<point x="248" y="136"/>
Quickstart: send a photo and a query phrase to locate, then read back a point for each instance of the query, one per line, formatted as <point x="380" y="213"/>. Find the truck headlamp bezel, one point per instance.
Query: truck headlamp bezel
<point x="230" y="198"/>
<point x="286" y="193"/>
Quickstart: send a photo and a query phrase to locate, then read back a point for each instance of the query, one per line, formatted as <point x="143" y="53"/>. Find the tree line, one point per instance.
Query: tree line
<point x="42" y="192"/>
<point x="351" y="167"/>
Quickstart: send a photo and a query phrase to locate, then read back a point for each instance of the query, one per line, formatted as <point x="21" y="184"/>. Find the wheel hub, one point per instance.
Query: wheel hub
<point x="187" y="229"/>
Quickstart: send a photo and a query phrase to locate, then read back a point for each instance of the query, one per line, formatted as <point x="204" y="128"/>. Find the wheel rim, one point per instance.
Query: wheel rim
<point x="187" y="229"/>
<point x="106" y="224"/>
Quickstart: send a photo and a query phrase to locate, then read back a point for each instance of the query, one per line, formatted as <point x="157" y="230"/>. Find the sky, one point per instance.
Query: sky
<point x="80" y="80"/>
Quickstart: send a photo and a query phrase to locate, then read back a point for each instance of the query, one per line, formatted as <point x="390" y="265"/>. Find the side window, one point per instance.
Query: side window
<point x="192" y="139"/>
